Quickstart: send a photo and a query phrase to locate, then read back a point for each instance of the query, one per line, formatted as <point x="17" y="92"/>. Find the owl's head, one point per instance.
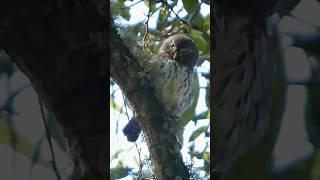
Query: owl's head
<point x="181" y="49"/>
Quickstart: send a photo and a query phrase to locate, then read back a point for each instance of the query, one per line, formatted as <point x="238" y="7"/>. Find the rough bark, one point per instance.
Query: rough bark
<point x="166" y="158"/>
<point x="59" y="46"/>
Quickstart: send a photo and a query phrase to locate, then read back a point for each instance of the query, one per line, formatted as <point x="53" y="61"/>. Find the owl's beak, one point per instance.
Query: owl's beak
<point x="175" y="54"/>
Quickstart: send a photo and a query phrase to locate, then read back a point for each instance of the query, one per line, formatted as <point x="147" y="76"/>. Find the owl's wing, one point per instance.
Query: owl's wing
<point x="153" y="64"/>
<point x="174" y="84"/>
<point x="156" y="70"/>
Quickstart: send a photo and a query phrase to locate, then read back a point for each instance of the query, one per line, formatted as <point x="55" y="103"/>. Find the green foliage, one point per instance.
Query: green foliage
<point x="114" y="105"/>
<point x="190" y="5"/>
<point x="203" y="115"/>
<point x="198" y="132"/>
<point x="198" y="38"/>
<point x="151" y="5"/>
<point x="121" y="9"/>
<point x="120" y="171"/>
<point x="21" y="145"/>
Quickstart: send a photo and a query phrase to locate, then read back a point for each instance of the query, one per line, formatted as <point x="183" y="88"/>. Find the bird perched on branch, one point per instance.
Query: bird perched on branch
<point x="171" y="72"/>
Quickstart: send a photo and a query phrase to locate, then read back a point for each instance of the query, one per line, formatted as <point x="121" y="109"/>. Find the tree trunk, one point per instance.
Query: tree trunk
<point x="59" y="46"/>
<point x="164" y="149"/>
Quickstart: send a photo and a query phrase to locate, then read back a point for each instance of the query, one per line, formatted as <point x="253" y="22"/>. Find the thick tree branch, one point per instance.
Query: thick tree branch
<point x="166" y="158"/>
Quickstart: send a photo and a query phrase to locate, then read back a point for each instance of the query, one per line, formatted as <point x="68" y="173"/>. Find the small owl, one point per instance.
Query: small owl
<point x="242" y="84"/>
<point x="171" y="72"/>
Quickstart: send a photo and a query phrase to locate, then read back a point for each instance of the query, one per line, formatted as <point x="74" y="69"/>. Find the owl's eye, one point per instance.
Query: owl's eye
<point x="173" y="45"/>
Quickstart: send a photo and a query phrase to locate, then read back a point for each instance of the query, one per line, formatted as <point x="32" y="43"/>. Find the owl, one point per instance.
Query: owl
<point x="172" y="73"/>
<point x="242" y="83"/>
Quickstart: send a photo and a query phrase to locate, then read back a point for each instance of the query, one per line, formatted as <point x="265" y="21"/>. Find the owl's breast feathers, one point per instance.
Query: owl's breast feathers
<point x="174" y="83"/>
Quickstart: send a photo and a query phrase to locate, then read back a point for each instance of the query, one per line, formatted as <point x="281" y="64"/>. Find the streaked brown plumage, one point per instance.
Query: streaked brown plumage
<point x="242" y="87"/>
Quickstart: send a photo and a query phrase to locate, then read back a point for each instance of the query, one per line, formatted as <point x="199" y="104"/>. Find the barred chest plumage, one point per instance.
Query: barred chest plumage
<point x="242" y="88"/>
<point x="174" y="84"/>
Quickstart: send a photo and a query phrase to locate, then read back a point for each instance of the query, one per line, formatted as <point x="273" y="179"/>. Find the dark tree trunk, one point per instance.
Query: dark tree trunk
<point x="61" y="47"/>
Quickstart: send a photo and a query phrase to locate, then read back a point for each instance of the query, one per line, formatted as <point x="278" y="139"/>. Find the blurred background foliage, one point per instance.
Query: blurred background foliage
<point x="24" y="149"/>
<point x="296" y="155"/>
<point x="296" y="152"/>
<point x="147" y="24"/>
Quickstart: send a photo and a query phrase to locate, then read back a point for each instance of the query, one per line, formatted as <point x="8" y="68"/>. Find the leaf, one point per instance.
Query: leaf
<point x="206" y="155"/>
<point x="180" y="135"/>
<point x="115" y="155"/>
<point x="22" y="145"/>
<point x="163" y="16"/>
<point x="190" y="5"/>
<point x="198" y="155"/>
<point x="120" y="171"/>
<point x="198" y="22"/>
<point x="124" y="12"/>
<point x="202" y="115"/>
<point x="115" y="106"/>
<point x="198" y="132"/>
<point x="206" y="167"/>
<point x="153" y="5"/>
<point x="315" y="170"/>
<point x="206" y="24"/>
<point x="202" y="44"/>
<point x="207" y="97"/>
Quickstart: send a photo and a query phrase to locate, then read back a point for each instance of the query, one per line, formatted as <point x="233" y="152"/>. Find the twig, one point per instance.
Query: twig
<point x="306" y="82"/>
<point x="140" y="162"/>
<point x="48" y="134"/>
<point x="132" y="4"/>
<point x="146" y="34"/>
<point x="125" y="105"/>
<point x="193" y="15"/>
<point x="171" y="8"/>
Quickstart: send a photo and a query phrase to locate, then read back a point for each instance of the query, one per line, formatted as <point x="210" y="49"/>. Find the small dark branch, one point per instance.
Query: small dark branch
<point x="171" y="8"/>
<point x="306" y="83"/>
<point x="146" y="37"/>
<point x="48" y="135"/>
<point x="140" y="162"/>
<point x="132" y="4"/>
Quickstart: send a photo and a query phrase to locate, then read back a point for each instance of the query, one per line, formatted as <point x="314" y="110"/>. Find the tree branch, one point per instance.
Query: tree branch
<point x="166" y="158"/>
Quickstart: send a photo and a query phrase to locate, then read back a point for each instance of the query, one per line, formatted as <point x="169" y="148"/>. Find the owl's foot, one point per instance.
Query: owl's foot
<point x="132" y="130"/>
